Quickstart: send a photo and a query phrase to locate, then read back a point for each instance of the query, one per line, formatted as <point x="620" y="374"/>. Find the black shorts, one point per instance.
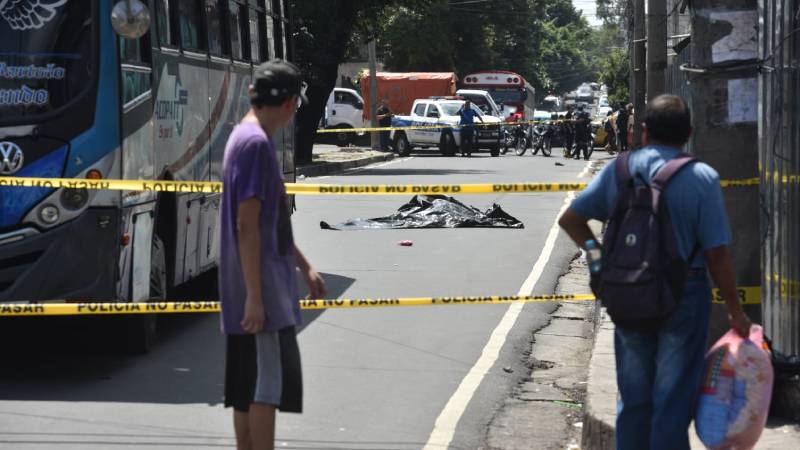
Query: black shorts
<point x="264" y="368"/>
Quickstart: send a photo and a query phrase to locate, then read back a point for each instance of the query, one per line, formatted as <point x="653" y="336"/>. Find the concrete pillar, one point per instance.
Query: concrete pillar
<point x="724" y="106"/>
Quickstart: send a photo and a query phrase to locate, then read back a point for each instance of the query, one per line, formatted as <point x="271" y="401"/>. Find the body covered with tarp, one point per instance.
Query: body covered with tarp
<point x="433" y="211"/>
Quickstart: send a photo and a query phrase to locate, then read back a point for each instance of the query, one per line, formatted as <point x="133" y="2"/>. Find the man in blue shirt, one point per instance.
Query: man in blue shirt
<point x="659" y="370"/>
<point x="468" y="116"/>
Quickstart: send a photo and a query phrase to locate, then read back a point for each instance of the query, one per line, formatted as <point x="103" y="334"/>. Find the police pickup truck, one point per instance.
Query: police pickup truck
<point x="443" y="111"/>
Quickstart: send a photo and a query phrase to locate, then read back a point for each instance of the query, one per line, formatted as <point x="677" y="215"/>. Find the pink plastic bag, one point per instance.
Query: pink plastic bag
<point x="737" y="387"/>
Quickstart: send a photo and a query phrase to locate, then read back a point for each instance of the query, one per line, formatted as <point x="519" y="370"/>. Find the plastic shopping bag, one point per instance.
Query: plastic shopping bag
<point x="737" y="387"/>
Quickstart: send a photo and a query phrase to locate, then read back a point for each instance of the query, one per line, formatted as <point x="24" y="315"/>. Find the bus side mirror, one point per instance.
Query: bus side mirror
<point x="130" y="19"/>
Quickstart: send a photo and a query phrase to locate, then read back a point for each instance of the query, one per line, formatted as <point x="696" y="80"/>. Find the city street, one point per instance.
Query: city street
<point x="374" y="379"/>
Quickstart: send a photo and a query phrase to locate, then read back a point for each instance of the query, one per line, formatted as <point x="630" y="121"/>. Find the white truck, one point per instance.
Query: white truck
<point x="442" y="111"/>
<point x="483" y="100"/>
<point x="344" y="110"/>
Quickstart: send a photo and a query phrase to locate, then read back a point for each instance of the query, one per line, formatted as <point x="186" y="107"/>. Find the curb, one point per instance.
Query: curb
<point x="599" y="416"/>
<point x="327" y="168"/>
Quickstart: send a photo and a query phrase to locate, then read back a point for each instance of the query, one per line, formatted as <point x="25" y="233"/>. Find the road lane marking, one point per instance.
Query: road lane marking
<point x="444" y="428"/>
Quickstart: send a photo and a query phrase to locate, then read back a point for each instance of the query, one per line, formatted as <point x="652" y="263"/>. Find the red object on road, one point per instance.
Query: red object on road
<point x="406" y="243"/>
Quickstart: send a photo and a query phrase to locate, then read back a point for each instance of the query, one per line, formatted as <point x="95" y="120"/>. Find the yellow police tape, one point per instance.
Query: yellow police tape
<point x="747" y="295"/>
<point x="440" y="126"/>
<point x="311" y="189"/>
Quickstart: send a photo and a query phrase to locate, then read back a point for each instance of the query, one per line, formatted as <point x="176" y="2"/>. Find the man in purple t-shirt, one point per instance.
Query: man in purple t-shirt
<point x="258" y="264"/>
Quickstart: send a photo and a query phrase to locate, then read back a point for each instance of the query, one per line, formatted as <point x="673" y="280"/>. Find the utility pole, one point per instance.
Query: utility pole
<point x="723" y="80"/>
<point x="373" y="96"/>
<point x="656" y="47"/>
<point x="639" y="72"/>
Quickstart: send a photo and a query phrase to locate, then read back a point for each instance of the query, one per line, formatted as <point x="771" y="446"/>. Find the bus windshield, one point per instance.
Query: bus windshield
<point x="508" y="96"/>
<point x="451" y="108"/>
<point x="46" y="58"/>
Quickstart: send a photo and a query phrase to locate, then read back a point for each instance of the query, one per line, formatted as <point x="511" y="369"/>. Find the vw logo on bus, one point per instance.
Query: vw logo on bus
<point x="11" y="158"/>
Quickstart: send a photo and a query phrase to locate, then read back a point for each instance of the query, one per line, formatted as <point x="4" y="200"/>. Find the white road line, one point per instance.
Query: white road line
<point x="444" y="428"/>
<point x="586" y="169"/>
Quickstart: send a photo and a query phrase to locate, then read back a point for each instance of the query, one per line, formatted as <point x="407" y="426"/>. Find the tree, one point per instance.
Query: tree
<point x="546" y="41"/>
<point x="615" y="74"/>
<point x="322" y="33"/>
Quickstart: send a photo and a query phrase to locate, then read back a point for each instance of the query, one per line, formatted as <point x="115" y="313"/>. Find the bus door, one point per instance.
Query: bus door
<point x="222" y="117"/>
<point x="138" y="163"/>
<point x="138" y="156"/>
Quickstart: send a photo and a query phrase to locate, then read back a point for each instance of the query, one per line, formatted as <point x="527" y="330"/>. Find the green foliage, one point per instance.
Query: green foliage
<point x="546" y="41"/>
<point x="615" y="73"/>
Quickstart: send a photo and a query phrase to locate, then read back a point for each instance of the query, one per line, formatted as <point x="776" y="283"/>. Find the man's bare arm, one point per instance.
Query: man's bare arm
<point x="720" y="266"/>
<point x="577" y="227"/>
<point x="315" y="283"/>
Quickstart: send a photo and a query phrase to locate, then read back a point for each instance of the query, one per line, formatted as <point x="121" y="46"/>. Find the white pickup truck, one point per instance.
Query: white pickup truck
<point x="442" y="111"/>
<point x="344" y="110"/>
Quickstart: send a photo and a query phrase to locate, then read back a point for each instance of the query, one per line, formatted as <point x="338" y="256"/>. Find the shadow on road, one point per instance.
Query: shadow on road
<point x="80" y="359"/>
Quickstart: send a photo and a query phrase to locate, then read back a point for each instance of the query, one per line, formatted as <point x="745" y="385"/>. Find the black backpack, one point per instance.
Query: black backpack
<point x="642" y="274"/>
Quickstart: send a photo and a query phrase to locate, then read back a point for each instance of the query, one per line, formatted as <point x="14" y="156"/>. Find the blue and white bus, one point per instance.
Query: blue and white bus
<point x="79" y="100"/>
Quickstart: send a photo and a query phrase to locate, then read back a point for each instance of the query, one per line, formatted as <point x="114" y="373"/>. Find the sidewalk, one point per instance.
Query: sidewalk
<point x="330" y="159"/>
<point x="601" y="399"/>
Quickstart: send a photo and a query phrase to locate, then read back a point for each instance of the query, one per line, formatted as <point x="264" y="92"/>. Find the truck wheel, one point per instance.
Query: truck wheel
<point x="401" y="144"/>
<point x="140" y="330"/>
<point x="447" y="144"/>
<point x="343" y="139"/>
<point x="494" y="150"/>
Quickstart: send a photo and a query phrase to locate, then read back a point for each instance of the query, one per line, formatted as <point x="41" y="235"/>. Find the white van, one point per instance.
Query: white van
<point x="345" y="109"/>
<point x="483" y="100"/>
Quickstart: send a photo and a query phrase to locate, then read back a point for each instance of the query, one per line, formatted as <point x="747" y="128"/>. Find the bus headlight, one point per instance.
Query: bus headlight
<point x="49" y="214"/>
<point x="74" y="199"/>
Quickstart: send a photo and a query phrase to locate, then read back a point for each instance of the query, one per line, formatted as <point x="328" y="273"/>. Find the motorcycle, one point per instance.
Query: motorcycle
<point x="543" y="138"/>
<point x="518" y="139"/>
<point x="507" y="138"/>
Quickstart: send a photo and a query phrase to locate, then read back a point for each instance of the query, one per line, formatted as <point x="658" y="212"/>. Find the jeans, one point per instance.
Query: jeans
<point x="659" y="374"/>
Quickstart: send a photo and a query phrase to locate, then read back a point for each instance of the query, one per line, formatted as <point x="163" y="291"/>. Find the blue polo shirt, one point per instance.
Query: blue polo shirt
<point x="693" y="198"/>
<point x="467" y="116"/>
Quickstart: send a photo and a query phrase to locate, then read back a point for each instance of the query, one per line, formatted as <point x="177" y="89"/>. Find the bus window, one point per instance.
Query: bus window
<point x="278" y="28"/>
<point x="235" y="13"/>
<point x="191" y="21"/>
<point x="269" y="26"/>
<point x="135" y="57"/>
<point x="255" y="36"/>
<point x="165" y="34"/>
<point x="216" y="44"/>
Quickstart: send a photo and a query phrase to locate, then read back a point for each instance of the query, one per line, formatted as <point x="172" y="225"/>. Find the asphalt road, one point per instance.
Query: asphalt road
<point x="374" y="379"/>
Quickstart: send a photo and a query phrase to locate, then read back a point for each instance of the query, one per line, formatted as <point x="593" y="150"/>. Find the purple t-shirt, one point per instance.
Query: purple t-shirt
<point x="251" y="170"/>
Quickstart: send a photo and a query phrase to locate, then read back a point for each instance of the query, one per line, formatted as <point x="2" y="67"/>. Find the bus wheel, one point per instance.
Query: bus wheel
<point x="141" y="331"/>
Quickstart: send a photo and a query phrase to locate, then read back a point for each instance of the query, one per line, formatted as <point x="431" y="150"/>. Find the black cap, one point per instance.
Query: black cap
<point x="278" y="80"/>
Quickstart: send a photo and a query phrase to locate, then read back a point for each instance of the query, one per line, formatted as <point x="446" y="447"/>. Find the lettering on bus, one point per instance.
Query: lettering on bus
<point x="172" y="109"/>
<point x="31" y="72"/>
<point x="24" y="96"/>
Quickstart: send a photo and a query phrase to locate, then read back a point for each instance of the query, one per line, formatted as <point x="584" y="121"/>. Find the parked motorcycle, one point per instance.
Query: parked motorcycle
<point x="507" y="139"/>
<point x="518" y="140"/>
<point x="543" y="138"/>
